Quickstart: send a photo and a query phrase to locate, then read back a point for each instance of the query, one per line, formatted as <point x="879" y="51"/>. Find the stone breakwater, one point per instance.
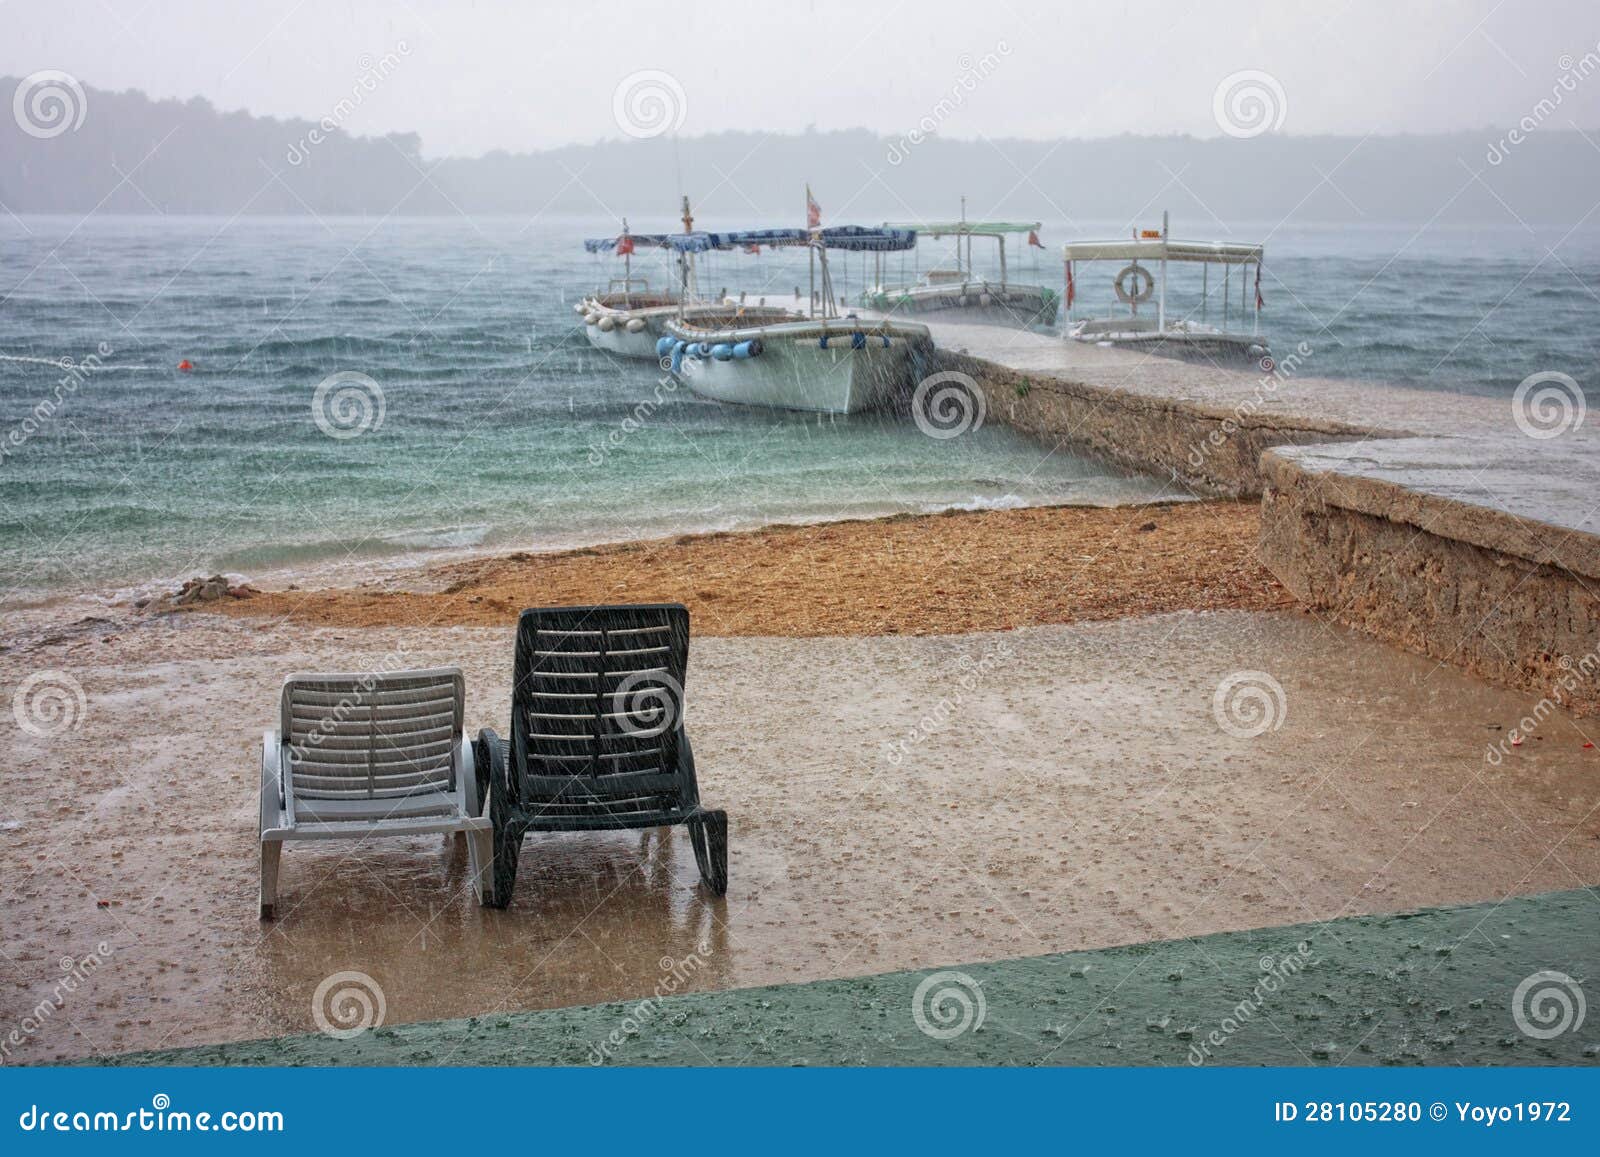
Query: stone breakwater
<point x="1451" y="525"/>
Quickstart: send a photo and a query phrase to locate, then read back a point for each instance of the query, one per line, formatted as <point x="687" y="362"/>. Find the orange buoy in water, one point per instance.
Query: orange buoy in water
<point x="186" y="365"/>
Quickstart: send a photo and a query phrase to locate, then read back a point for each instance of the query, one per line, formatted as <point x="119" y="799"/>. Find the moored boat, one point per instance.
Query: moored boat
<point x="820" y="362"/>
<point x="958" y="289"/>
<point x="1135" y="285"/>
<point x="629" y="317"/>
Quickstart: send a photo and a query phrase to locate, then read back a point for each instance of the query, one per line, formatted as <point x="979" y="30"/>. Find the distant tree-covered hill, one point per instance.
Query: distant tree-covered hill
<point x="131" y="154"/>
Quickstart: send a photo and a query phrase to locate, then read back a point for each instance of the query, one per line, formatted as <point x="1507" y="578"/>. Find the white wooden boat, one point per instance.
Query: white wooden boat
<point x="832" y="365"/>
<point x="822" y="362"/>
<point x="958" y="290"/>
<point x="628" y="318"/>
<point x="1136" y="285"/>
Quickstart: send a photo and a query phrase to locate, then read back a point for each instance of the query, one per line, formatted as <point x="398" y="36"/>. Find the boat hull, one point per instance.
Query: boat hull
<point x="796" y="370"/>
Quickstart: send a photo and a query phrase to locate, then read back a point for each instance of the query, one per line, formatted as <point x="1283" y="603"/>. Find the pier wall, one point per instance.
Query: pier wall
<point x="1480" y="585"/>
<point x="1477" y="545"/>
<point x="1207" y="447"/>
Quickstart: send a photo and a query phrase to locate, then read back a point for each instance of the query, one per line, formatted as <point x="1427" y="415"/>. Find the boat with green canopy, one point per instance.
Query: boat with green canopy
<point x="958" y="289"/>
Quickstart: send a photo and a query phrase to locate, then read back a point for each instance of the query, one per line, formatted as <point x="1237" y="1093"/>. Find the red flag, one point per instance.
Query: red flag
<point x="752" y="249"/>
<point x="813" y="211"/>
<point x="1072" y="287"/>
<point x="624" y="245"/>
<point x="1033" y="239"/>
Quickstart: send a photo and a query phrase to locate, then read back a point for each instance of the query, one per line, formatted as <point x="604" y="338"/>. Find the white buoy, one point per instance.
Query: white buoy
<point x="607" y="323"/>
<point x="635" y="324"/>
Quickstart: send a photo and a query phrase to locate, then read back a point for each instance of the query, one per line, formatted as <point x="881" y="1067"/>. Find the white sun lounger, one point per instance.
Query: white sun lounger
<point x="371" y="755"/>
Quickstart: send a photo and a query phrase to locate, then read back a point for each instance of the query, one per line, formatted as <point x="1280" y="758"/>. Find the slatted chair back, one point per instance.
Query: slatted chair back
<point x="597" y="710"/>
<point x="373" y="736"/>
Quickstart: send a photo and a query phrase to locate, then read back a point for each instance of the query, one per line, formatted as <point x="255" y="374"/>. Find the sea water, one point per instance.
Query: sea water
<point x="463" y="410"/>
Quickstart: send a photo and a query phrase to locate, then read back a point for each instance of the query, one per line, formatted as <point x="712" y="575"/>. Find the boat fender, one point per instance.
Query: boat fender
<point x="747" y="349"/>
<point x="635" y="324"/>
<point x="722" y="351"/>
<point x="677" y="356"/>
<point x="858" y="340"/>
<point x="1143" y="284"/>
<point x="664" y="345"/>
<point x="984" y="299"/>
<point x="962" y="301"/>
<point x="822" y="342"/>
<point x="591" y="318"/>
<point x="885" y="340"/>
<point x="607" y="324"/>
<point x="703" y="350"/>
<point x="581" y="307"/>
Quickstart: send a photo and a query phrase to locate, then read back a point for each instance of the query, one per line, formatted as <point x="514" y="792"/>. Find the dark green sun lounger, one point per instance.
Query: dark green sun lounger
<point x="597" y="737"/>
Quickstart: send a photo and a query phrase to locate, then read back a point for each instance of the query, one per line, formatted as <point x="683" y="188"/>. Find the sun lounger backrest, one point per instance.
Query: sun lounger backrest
<point x="597" y="706"/>
<point x="373" y="736"/>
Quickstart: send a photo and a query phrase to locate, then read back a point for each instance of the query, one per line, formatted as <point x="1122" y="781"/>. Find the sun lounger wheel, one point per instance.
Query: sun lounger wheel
<point x="708" y="832"/>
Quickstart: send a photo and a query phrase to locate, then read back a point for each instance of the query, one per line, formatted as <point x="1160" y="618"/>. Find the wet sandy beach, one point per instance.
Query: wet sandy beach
<point x="895" y="803"/>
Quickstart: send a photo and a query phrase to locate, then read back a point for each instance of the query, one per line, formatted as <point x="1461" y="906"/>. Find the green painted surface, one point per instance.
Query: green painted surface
<point x="1431" y="987"/>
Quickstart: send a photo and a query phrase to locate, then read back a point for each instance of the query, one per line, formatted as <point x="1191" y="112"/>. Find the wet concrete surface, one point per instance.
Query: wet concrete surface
<point x="1482" y="985"/>
<point x="894" y="803"/>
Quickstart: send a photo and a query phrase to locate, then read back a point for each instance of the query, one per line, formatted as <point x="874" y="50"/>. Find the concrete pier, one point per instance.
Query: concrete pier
<point x="1434" y="520"/>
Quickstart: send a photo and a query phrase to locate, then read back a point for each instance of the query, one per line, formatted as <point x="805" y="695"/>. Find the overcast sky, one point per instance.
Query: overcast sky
<point x="470" y="77"/>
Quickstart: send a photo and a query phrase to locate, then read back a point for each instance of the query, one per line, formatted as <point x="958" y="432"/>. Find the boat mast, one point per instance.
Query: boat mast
<point x="685" y="259"/>
<point x="1161" y="301"/>
<point x="627" y="268"/>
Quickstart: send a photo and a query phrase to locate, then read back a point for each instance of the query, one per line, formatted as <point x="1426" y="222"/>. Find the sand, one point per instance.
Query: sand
<point x="896" y="803"/>
<point x="911" y="575"/>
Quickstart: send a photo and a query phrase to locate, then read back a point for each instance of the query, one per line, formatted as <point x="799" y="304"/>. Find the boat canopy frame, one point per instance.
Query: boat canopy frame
<point x="1162" y="248"/>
